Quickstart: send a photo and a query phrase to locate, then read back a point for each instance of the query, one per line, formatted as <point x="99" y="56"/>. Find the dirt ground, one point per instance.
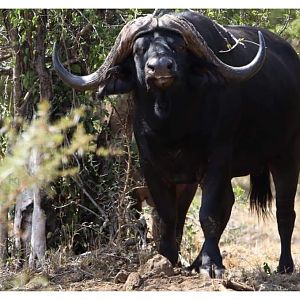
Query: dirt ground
<point x="250" y="249"/>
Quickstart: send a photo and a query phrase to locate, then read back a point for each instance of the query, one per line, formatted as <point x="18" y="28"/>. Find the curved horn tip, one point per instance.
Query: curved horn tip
<point x="261" y="39"/>
<point x="55" y="46"/>
<point x="56" y="50"/>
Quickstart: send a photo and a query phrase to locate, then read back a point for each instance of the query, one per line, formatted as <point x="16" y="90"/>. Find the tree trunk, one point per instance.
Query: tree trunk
<point x="38" y="232"/>
<point x="30" y="218"/>
<point x="44" y="76"/>
<point x="23" y="224"/>
<point x="3" y="233"/>
<point x="17" y="54"/>
<point x="22" y="220"/>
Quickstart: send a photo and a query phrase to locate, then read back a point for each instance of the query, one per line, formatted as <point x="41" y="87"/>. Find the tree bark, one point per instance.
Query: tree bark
<point x="3" y="233"/>
<point x="17" y="54"/>
<point x="38" y="232"/>
<point x="43" y="74"/>
<point x="23" y="224"/>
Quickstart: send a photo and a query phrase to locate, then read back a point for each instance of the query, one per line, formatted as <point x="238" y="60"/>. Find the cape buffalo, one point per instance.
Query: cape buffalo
<point x="211" y="103"/>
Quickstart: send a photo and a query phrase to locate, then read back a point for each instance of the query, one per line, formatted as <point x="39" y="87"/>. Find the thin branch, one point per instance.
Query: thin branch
<point x="95" y="29"/>
<point x="80" y="184"/>
<point x="79" y="205"/>
<point x="286" y="23"/>
<point x="237" y="42"/>
<point x="6" y="71"/>
<point x="86" y="30"/>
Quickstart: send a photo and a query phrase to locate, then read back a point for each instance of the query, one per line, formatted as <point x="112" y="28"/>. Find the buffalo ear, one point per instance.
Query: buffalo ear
<point x="119" y="80"/>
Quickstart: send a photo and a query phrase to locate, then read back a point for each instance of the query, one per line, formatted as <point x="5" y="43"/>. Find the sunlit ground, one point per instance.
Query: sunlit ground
<point x="249" y="245"/>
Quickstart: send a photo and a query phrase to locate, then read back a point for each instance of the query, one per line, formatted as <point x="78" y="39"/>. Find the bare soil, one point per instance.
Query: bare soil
<point x="250" y="249"/>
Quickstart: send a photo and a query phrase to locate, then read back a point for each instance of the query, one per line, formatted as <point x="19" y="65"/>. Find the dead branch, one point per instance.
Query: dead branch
<point x="236" y="286"/>
<point x="86" y="30"/>
<point x="89" y="23"/>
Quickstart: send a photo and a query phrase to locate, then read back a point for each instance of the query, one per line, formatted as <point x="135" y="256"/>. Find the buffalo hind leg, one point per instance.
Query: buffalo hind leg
<point x="203" y="262"/>
<point x="285" y="176"/>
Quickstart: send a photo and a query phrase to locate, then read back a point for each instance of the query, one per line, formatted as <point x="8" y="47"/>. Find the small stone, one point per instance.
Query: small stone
<point x="156" y="266"/>
<point x="134" y="280"/>
<point x="121" y="277"/>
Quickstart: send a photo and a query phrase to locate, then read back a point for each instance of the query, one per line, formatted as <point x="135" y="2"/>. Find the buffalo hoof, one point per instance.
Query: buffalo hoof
<point x="212" y="271"/>
<point x="187" y="271"/>
<point x="209" y="270"/>
<point x="285" y="269"/>
<point x="286" y="266"/>
<point x="203" y="264"/>
<point x="195" y="266"/>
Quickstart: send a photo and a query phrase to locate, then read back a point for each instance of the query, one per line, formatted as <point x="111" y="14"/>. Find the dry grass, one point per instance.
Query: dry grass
<point x="250" y="248"/>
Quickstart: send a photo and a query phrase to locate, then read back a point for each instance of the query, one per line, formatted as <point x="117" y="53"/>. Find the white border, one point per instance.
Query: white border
<point x="52" y="4"/>
<point x="149" y="4"/>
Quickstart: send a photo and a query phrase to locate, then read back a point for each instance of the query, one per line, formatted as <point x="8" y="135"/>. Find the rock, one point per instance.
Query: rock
<point x="134" y="280"/>
<point x="156" y="266"/>
<point x="38" y="283"/>
<point x="121" y="277"/>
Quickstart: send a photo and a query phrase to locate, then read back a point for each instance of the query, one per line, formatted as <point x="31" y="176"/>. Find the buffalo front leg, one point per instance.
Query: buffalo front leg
<point x="285" y="175"/>
<point x="217" y="201"/>
<point x="203" y="262"/>
<point x="164" y="198"/>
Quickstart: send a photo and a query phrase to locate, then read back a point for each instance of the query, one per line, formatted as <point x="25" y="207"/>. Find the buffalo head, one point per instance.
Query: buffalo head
<point x="152" y="52"/>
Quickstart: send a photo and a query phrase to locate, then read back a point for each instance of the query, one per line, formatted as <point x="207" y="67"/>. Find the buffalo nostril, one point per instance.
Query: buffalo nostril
<point x="160" y="65"/>
<point x="150" y="67"/>
<point x="170" y="66"/>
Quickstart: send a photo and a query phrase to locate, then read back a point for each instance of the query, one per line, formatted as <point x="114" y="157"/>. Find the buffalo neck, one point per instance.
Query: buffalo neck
<point x="174" y="115"/>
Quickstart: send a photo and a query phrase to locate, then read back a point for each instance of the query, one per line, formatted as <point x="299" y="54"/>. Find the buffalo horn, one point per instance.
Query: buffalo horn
<point x="199" y="47"/>
<point x="121" y="49"/>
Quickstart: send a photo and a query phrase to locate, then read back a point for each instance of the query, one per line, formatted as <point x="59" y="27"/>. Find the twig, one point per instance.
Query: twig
<point x="89" y="210"/>
<point x="285" y="25"/>
<point x="90" y="197"/>
<point x="95" y="29"/>
<point x="237" y="42"/>
<point x="251" y="42"/>
<point x="63" y="206"/>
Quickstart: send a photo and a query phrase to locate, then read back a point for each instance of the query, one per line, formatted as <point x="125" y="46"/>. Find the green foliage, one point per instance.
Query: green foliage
<point x="273" y="19"/>
<point x="240" y="195"/>
<point x="59" y="135"/>
<point x="293" y="31"/>
<point x="18" y="171"/>
<point x="267" y="268"/>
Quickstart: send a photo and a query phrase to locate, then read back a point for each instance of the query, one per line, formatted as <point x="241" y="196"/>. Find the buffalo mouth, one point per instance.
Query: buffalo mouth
<point x="160" y="82"/>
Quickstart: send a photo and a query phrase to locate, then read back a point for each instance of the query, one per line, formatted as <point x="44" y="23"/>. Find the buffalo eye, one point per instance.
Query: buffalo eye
<point x="139" y="50"/>
<point x="180" y="48"/>
<point x="140" y="46"/>
<point x="176" y="44"/>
